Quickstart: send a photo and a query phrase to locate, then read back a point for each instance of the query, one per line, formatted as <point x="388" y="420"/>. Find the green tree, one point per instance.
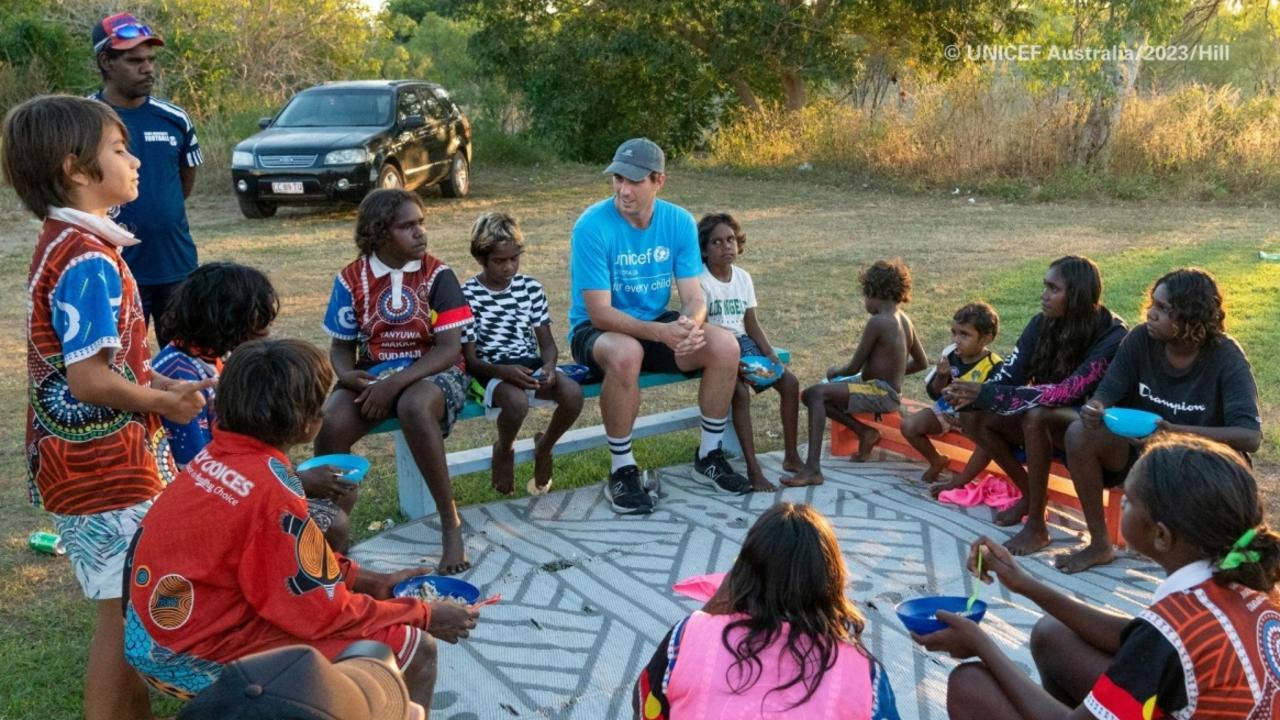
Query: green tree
<point x="223" y="55"/>
<point x="596" y="75"/>
<point x="1240" y="47"/>
<point x="39" y="54"/>
<point x="596" y="67"/>
<point x="1128" y="28"/>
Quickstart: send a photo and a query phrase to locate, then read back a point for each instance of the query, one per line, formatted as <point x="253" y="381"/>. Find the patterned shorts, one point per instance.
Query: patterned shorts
<point x="323" y="512"/>
<point x="872" y="397"/>
<point x="184" y="676"/>
<point x="96" y="545"/>
<point x="453" y="383"/>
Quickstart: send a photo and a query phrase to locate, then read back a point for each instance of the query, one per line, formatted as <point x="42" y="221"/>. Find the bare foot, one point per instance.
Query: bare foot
<point x="936" y="466"/>
<point x="867" y="442"/>
<point x="759" y="484"/>
<point x="1085" y="558"/>
<point x="803" y="478"/>
<point x="504" y="470"/>
<point x="1013" y="515"/>
<point x="954" y="483"/>
<point x="792" y="463"/>
<point x="542" y="462"/>
<point x="453" y="555"/>
<point x="1032" y="538"/>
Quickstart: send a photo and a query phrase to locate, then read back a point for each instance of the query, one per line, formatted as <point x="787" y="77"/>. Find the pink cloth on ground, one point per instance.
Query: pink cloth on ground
<point x="699" y="587"/>
<point x="989" y="489"/>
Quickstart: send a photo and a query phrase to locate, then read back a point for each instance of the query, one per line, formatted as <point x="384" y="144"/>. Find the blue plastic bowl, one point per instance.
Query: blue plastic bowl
<point x="388" y="367"/>
<point x="575" y="372"/>
<point x="351" y="467"/>
<point x="1127" y="422"/>
<point x="761" y="371"/>
<point x="918" y="614"/>
<point x="446" y="586"/>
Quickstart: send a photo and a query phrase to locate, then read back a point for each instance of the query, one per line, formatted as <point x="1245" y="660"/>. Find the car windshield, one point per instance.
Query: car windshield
<point x="337" y="108"/>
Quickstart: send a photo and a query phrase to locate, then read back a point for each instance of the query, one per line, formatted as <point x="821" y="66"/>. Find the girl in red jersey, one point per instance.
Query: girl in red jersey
<point x="1207" y="647"/>
<point x="396" y="302"/>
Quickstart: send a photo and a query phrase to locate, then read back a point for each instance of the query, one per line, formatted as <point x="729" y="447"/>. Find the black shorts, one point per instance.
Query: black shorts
<point x="657" y="356"/>
<point x="1115" y="478"/>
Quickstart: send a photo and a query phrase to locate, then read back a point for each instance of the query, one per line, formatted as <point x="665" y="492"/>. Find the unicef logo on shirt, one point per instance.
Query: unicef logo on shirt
<point x="652" y="255"/>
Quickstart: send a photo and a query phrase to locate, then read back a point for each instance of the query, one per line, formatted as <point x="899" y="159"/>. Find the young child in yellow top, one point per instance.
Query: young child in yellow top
<point x="870" y="382"/>
<point x="966" y="359"/>
<point x="97" y="454"/>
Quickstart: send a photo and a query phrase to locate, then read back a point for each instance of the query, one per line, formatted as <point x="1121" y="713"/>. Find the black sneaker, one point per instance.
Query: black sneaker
<point x="652" y="485"/>
<point x="715" y="468"/>
<point x="626" y="496"/>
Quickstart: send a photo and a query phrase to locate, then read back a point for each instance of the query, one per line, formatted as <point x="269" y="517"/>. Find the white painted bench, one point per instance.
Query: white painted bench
<point x="416" y="501"/>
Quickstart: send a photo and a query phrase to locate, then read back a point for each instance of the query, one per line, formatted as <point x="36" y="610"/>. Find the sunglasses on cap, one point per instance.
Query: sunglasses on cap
<point x="127" y="31"/>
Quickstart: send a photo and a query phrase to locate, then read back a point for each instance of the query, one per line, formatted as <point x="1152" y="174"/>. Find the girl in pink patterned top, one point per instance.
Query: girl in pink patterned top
<point x="778" y="639"/>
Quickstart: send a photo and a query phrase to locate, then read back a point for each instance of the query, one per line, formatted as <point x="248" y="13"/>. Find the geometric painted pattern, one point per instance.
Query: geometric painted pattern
<point x="587" y="593"/>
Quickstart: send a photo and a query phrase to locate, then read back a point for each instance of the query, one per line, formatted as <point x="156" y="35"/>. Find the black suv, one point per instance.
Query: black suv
<point x="337" y="141"/>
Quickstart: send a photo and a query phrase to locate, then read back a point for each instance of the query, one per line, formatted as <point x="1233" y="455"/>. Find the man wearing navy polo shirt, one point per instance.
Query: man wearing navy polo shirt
<point x="162" y="136"/>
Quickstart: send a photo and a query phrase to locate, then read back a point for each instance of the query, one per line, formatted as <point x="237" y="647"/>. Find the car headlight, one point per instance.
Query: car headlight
<point x="241" y="159"/>
<point x="347" y="157"/>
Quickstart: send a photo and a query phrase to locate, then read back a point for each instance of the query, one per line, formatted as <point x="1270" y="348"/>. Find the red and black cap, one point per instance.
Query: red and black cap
<point x="122" y="31"/>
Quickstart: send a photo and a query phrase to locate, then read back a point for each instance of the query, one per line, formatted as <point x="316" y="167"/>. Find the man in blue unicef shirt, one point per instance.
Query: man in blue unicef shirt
<point x="163" y="138"/>
<point x="625" y="253"/>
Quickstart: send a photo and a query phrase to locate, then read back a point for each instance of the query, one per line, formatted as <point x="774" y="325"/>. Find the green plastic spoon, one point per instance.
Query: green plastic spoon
<point x="973" y="597"/>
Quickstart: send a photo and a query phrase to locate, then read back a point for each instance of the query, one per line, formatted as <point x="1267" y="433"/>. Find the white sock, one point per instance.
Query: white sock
<point x="712" y="434"/>
<point x="620" y="453"/>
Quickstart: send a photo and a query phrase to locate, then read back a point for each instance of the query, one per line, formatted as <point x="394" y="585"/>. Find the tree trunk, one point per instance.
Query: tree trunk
<point x="746" y="95"/>
<point x="1093" y="145"/>
<point x="793" y="88"/>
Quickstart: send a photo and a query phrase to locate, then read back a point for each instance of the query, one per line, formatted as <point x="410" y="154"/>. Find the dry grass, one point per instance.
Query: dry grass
<point x="808" y="242"/>
<point x="991" y="130"/>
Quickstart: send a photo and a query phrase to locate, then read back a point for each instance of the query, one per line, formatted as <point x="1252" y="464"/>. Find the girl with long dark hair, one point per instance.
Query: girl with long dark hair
<point x="779" y="637"/>
<point x="1180" y="365"/>
<point x="1206" y="646"/>
<point x="1059" y="359"/>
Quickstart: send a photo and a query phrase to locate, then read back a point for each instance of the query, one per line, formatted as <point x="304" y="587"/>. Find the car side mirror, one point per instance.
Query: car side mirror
<point x="264" y="123"/>
<point x="413" y="122"/>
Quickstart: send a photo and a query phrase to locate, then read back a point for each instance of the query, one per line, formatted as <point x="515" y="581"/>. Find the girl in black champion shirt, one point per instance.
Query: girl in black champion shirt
<point x="1059" y="359"/>
<point x="1180" y="365"/>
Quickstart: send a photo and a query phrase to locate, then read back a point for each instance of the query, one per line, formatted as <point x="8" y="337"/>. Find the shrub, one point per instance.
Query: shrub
<point x="993" y="131"/>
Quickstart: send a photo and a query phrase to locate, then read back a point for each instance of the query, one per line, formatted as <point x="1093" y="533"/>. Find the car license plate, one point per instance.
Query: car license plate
<point x="286" y="188"/>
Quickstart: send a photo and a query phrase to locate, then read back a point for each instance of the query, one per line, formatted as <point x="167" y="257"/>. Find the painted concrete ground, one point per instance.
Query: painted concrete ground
<point x="587" y="594"/>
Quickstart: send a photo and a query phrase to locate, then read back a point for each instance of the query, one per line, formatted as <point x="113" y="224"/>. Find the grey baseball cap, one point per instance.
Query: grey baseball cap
<point x="636" y="158"/>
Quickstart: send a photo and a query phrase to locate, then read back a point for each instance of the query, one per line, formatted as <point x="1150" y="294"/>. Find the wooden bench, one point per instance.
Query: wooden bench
<point x="416" y="501"/>
<point x="957" y="448"/>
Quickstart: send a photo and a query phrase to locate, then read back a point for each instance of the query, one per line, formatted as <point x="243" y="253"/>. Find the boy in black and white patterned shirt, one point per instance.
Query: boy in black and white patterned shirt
<point x="509" y="348"/>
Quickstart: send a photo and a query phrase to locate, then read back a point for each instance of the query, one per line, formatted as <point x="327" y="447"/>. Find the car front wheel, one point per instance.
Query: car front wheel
<point x="459" y="181"/>
<point x="256" y="209"/>
<point x="389" y="177"/>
